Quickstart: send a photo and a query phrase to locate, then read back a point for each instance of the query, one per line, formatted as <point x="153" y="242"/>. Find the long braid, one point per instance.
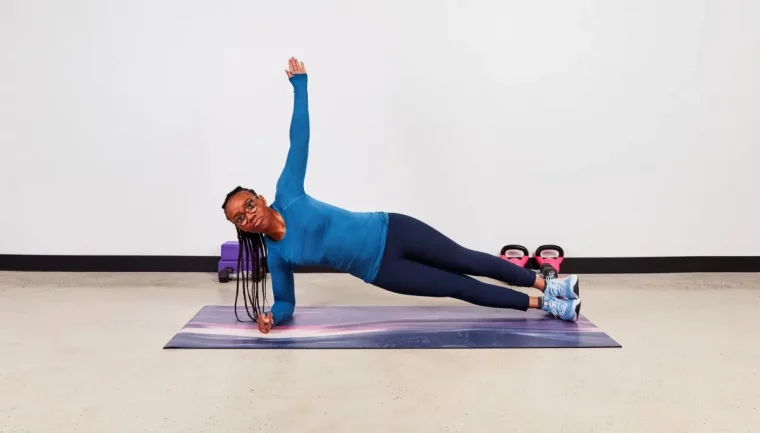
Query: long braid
<point x="251" y="272"/>
<point x="251" y="269"/>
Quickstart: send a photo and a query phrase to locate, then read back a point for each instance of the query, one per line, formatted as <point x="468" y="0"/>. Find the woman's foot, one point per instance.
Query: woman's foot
<point x="567" y="288"/>
<point x="565" y="309"/>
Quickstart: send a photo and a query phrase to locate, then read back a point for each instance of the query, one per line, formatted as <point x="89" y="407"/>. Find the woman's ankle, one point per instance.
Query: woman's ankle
<point x="540" y="283"/>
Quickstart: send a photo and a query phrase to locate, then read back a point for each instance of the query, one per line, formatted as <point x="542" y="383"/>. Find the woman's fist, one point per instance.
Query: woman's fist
<point x="265" y="322"/>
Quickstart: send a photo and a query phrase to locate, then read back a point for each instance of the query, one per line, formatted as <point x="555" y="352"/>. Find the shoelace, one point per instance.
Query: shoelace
<point x="557" y="307"/>
<point x="558" y="286"/>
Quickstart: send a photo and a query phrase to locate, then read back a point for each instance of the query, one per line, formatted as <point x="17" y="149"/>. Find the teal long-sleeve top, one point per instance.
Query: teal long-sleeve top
<point x="316" y="233"/>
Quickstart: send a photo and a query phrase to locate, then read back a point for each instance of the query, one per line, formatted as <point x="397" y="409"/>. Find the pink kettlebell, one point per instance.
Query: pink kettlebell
<point x="516" y="254"/>
<point x="549" y="258"/>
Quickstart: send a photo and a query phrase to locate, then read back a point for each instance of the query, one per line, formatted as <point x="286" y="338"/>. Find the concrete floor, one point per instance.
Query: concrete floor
<point x="83" y="353"/>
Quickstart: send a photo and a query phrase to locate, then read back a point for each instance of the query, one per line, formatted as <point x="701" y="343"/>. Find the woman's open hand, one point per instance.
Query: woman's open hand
<point x="295" y="67"/>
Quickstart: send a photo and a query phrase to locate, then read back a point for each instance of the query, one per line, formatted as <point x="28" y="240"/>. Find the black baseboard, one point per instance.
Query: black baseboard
<point x="576" y="265"/>
<point x="49" y="263"/>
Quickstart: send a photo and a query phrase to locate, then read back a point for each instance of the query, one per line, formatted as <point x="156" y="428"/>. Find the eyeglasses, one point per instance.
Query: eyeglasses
<point x="249" y="207"/>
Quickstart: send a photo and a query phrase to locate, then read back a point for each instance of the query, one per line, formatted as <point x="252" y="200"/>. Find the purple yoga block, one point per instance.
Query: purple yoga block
<point x="230" y="264"/>
<point x="227" y="264"/>
<point x="230" y="250"/>
<point x="229" y="256"/>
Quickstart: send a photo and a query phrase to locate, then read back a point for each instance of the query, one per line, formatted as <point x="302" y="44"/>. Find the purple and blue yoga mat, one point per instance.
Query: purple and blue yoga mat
<point x="410" y="327"/>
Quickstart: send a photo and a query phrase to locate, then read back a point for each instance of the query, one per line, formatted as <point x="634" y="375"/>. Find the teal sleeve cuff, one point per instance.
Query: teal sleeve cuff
<point x="282" y="311"/>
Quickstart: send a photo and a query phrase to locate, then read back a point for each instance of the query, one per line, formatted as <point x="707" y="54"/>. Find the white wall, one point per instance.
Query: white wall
<point x="614" y="128"/>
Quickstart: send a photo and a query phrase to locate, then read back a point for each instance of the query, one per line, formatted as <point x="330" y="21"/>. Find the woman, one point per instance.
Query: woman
<point x="392" y="251"/>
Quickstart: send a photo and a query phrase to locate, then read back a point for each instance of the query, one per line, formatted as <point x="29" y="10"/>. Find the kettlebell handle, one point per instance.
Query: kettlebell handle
<point x="557" y="248"/>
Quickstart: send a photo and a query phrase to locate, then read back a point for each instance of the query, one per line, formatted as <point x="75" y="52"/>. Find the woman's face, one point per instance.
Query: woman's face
<point x="248" y="212"/>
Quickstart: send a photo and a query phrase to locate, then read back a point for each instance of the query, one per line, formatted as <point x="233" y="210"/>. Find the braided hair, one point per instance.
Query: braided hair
<point x="251" y="267"/>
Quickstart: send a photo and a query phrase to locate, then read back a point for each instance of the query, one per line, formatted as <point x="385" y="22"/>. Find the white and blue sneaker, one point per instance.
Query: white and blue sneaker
<point x="565" y="309"/>
<point x="567" y="287"/>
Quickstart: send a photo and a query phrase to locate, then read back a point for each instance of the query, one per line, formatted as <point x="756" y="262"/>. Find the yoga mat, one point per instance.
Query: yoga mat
<point x="388" y="327"/>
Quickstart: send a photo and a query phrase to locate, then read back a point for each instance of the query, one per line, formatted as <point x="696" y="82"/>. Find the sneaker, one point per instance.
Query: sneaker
<point x="567" y="288"/>
<point x="565" y="309"/>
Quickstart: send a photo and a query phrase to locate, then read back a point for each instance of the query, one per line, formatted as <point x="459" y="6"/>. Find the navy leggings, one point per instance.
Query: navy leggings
<point x="421" y="261"/>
